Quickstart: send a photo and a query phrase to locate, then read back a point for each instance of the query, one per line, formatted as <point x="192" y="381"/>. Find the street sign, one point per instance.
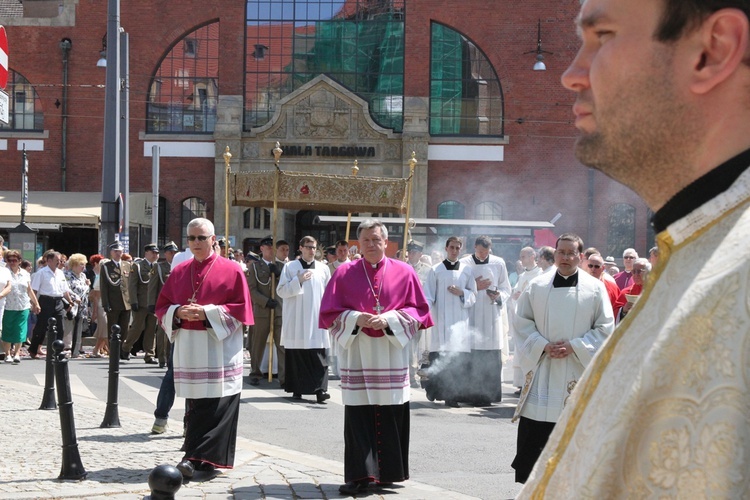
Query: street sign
<point x="4" y="107"/>
<point x="4" y="56"/>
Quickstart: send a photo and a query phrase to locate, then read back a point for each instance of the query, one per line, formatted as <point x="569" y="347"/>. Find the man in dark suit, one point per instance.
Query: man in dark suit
<point x="262" y="277"/>
<point x="114" y="279"/>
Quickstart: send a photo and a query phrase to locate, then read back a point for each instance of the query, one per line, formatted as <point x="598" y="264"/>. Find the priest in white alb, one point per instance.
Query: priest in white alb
<point x="488" y="322"/>
<point x="451" y="291"/>
<point x="301" y="285"/>
<point x="202" y="308"/>
<point x="562" y="319"/>
<point x="373" y="307"/>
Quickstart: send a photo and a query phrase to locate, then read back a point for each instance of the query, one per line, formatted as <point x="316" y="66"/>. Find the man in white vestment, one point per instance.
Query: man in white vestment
<point x="662" y="411"/>
<point x="417" y="346"/>
<point x="301" y="285"/>
<point x="561" y="321"/>
<point x="531" y="270"/>
<point x="489" y="333"/>
<point x="451" y="291"/>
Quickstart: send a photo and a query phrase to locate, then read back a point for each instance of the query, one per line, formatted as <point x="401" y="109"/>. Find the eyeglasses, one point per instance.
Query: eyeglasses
<point x="12" y="259"/>
<point x="571" y="255"/>
<point x="309" y="247"/>
<point x="201" y="237"/>
<point x="594" y="266"/>
<point x="629" y="257"/>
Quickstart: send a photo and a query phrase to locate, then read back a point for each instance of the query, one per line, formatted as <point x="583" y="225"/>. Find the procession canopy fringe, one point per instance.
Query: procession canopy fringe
<point x="301" y="190"/>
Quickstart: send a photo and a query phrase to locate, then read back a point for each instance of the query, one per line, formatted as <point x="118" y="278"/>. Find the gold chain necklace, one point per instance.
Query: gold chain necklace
<point x="378" y="308"/>
<point x="193" y="300"/>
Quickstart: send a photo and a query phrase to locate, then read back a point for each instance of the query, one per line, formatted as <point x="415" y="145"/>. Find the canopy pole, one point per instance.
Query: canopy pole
<point x="355" y="169"/>
<point x="412" y="165"/>
<point x="227" y="158"/>
<point x="277" y="152"/>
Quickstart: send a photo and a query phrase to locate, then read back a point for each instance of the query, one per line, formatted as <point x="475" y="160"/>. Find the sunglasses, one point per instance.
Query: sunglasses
<point x="594" y="266"/>
<point x="628" y="257"/>
<point x="201" y="237"/>
<point x="12" y="259"/>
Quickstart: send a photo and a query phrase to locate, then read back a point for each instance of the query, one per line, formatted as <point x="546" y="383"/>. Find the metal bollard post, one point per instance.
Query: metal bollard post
<point x="111" y="415"/>
<point x="48" y="398"/>
<point x="164" y="482"/>
<point x="72" y="468"/>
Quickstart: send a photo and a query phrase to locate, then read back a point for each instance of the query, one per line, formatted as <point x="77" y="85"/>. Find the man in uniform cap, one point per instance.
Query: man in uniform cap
<point x="144" y="321"/>
<point x="114" y="278"/>
<point x="223" y="246"/>
<point x="417" y="346"/>
<point x="330" y="254"/>
<point x="159" y="274"/>
<point x="262" y="292"/>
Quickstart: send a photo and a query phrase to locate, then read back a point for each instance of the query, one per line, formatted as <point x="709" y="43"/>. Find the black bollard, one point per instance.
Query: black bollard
<point x="164" y="482"/>
<point x="111" y="415"/>
<point x="72" y="468"/>
<point x="48" y="399"/>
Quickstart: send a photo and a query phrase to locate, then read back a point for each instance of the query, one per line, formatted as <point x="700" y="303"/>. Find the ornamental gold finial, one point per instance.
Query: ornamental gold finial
<point x="277" y="152"/>
<point x="227" y="156"/>
<point x="355" y="168"/>
<point x="413" y="161"/>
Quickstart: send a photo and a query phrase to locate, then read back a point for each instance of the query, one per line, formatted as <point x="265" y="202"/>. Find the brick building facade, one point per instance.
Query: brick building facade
<point x="525" y="173"/>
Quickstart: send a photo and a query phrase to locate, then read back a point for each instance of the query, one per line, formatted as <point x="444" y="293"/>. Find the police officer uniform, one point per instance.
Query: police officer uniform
<point x="260" y="283"/>
<point x="159" y="274"/>
<point x="144" y="321"/>
<point x="113" y="285"/>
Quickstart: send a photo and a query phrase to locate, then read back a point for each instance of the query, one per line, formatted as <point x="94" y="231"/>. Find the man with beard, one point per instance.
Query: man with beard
<point x="662" y="107"/>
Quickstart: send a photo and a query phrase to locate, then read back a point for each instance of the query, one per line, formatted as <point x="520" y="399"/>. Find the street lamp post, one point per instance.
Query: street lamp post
<point x="111" y="163"/>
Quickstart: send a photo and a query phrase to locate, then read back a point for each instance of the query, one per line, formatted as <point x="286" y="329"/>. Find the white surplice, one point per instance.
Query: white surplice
<point x="490" y="332"/>
<point x="299" y="325"/>
<point x="662" y="412"/>
<point x="450" y="313"/>
<point x="582" y="315"/>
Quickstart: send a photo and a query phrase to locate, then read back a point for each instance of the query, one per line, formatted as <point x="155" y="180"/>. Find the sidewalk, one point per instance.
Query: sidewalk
<point x="119" y="460"/>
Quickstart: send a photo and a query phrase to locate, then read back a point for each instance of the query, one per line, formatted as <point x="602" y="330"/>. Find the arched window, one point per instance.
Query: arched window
<point x="621" y="233"/>
<point x="488" y="210"/>
<point x="450" y="210"/>
<point x="191" y="208"/>
<point x="465" y="93"/>
<point x="359" y="43"/>
<point x="25" y="110"/>
<point x="184" y="90"/>
<point x="247" y="217"/>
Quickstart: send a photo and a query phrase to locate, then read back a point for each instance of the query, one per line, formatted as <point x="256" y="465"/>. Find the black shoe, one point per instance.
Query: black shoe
<point x="322" y="397"/>
<point x="187" y="468"/>
<point x="296" y="396"/>
<point x="125" y="356"/>
<point x="205" y="467"/>
<point x="451" y="403"/>
<point x="517" y="393"/>
<point x="151" y="361"/>
<point x="352" y="488"/>
<point x="254" y="381"/>
<point x="162" y="364"/>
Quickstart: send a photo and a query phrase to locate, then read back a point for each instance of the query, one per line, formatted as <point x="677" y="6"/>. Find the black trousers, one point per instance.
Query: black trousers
<point x="52" y="307"/>
<point x="532" y="437"/>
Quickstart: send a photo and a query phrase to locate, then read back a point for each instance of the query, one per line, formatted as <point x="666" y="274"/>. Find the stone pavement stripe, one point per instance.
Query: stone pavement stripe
<point x="77" y="387"/>
<point x="252" y="397"/>
<point x="150" y="393"/>
<point x="118" y="460"/>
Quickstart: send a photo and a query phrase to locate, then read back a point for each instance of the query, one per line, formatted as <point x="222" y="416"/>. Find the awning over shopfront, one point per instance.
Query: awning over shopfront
<point x="50" y="210"/>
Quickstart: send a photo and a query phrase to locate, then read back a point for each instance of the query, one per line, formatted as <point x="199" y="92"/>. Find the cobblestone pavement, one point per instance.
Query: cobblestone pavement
<point x="119" y="460"/>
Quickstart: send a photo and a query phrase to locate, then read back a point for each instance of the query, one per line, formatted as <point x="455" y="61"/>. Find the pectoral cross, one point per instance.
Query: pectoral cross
<point x="378" y="307"/>
<point x="192" y="300"/>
